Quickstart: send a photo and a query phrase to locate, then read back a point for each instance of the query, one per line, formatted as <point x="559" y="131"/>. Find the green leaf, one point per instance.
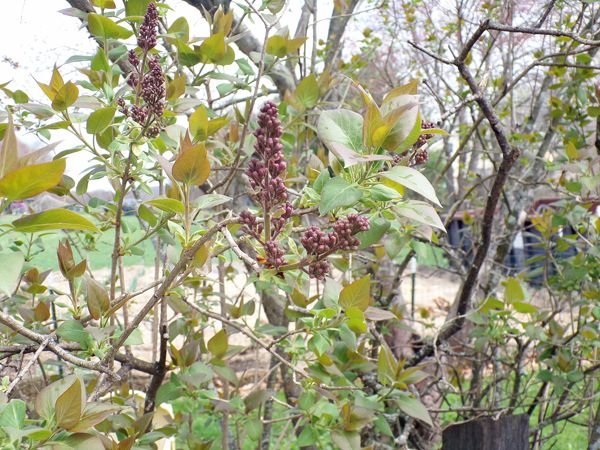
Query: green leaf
<point x="346" y="440"/>
<point x="12" y="263"/>
<point x="179" y="28"/>
<point x="213" y="48"/>
<point x="218" y="345"/>
<point x="338" y="193"/>
<point x="97" y="299"/>
<point x="211" y="200"/>
<point x="356" y="320"/>
<point x="414" y="408"/>
<point x="307" y="92"/>
<point x="93" y="414"/>
<point x="8" y="152"/>
<point x="513" y="291"/>
<point x="420" y="212"/>
<point x="281" y="46"/>
<point x="169" y="205"/>
<point x="65" y="97"/>
<point x="73" y="331"/>
<point x="108" y="4"/>
<point x="357" y="294"/>
<point x="198" y="123"/>
<point x="53" y="219"/>
<point x="100" y="119"/>
<point x="169" y="391"/>
<point x="83" y="441"/>
<point x="30" y="181"/>
<point x="413" y="180"/>
<point x="69" y="405"/>
<point x="104" y="28"/>
<point x="341" y="126"/>
<point x="378" y="227"/>
<point x="13" y="415"/>
<point x="136" y="7"/>
<point x="524" y="307"/>
<point x="387" y="366"/>
<point x="277" y="46"/>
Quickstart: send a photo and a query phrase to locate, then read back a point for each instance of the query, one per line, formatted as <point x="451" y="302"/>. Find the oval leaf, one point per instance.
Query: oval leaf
<point x="169" y="205"/>
<point x="103" y="27"/>
<point x="357" y="294"/>
<point x="338" y="193"/>
<point x="29" y="181"/>
<point x="413" y="180"/>
<point x="53" y="219"/>
<point x="99" y="120"/>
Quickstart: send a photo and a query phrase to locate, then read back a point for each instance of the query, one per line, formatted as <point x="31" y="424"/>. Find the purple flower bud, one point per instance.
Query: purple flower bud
<point x="318" y="270"/>
<point x="149" y="28"/>
<point x="274" y="254"/>
<point x="133" y="58"/>
<point x="153" y="88"/>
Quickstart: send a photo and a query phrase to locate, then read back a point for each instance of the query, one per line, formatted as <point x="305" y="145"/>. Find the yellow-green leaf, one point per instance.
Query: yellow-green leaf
<point x="307" y="92"/>
<point x="277" y="46"/>
<point x="100" y="119"/>
<point x="107" y="4"/>
<point x="169" y="205"/>
<point x="356" y="320"/>
<point x="104" y="28"/>
<point x="32" y="180"/>
<point x="199" y="124"/>
<point x="571" y="151"/>
<point x="191" y="166"/>
<point x="213" y="48"/>
<point x="8" y="152"/>
<point x="513" y="291"/>
<point x="65" y="97"/>
<point x="218" y="345"/>
<point x="176" y="87"/>
<point x="53" y="219"/>
<point x="357" y="294"/>
<point x="69" y="405"/>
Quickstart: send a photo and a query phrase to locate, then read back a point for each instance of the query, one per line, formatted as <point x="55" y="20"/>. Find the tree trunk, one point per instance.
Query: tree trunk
<point x="506" y="433"/>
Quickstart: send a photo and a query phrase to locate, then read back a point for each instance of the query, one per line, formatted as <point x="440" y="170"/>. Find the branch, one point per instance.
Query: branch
<point x="186" y="257"/>
<point x="238" y="251"/>
<point x="50" y="342"/>
<point x="26" y="367"/>
<point x="541" y="31"/>
<point x="250" y="335"/>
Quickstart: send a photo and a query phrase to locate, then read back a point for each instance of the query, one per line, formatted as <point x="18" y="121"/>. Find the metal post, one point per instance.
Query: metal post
<point x="412" y="267"/>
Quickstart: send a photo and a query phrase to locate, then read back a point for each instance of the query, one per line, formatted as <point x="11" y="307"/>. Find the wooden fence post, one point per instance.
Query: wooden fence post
<point x="506" y="433"/>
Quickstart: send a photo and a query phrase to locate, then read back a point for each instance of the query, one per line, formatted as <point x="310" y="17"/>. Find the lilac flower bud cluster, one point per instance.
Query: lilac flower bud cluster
<point x="153" y="88"/>
<point x="318" y="270"/>
<point x="149" y="28"/>
<point x="279" y="221"/>
<point x="419" y="155"/>
<point x="319" y="244"/>
<point x="345" y="229"/>
<point x="250" y="225"/>
<point x="148" y="84"/>
<point x="265" y="171"/>
<point x="274" y="254"/>
<point x="267" y="166"/>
